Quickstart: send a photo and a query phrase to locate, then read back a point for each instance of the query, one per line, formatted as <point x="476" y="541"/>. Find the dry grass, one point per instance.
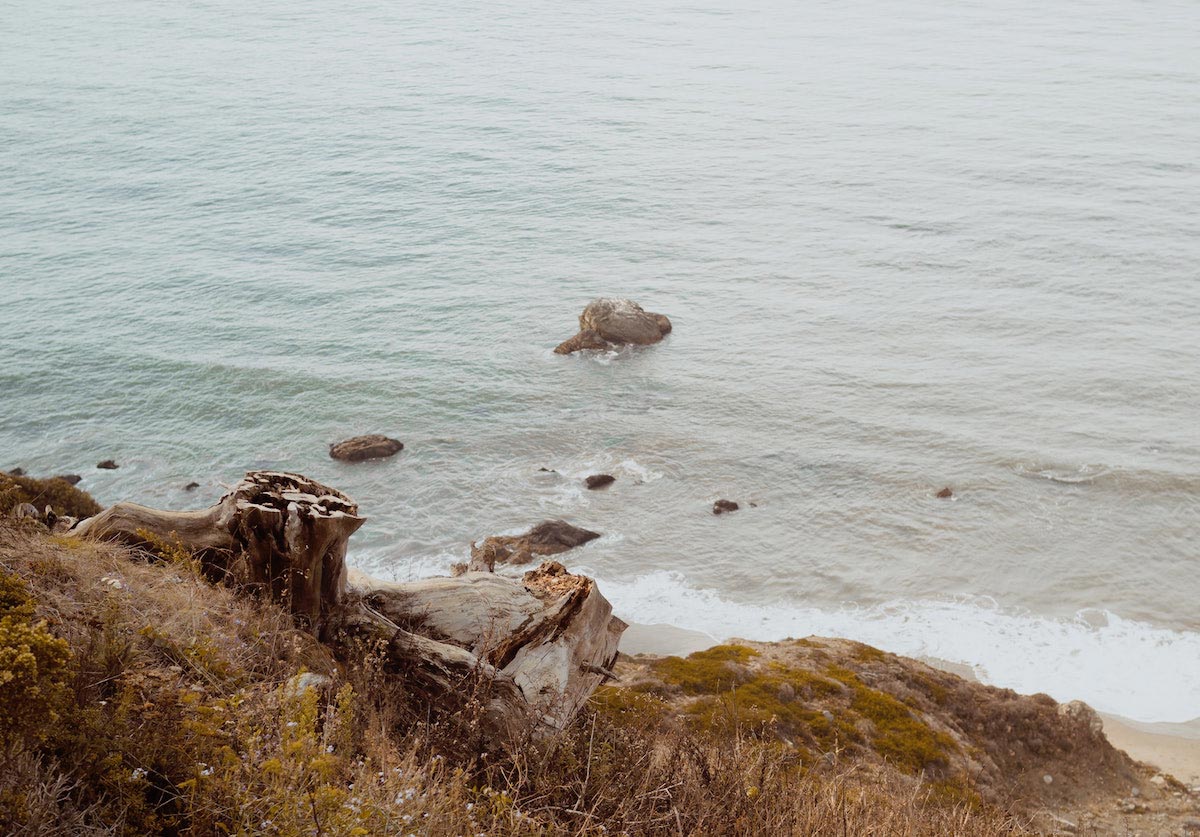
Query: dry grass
<point x="177" y="721"/>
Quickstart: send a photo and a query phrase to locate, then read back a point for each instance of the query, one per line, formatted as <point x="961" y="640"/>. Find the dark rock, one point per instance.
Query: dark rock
<point x="615" y="322"/>
<point x="547" y="471"/>
<point x="108" y="465"/>
<point x="600" y="480"/>
<point x="548" y="538"/>
<point x="559" y="533"/>
<point x="360" y="448"/>
<point x="191" y="486"/>
<point x="722" y="506"/>
<point x="944" y="494"/>
<point x="17" y="472"/>
<point x="69" y="479"/>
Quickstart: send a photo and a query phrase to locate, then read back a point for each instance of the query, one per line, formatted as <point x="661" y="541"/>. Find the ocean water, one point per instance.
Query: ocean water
<point x="905" y="245"/>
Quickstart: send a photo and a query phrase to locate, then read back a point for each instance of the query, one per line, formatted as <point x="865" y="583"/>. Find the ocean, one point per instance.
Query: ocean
<point x="904" y="245"/>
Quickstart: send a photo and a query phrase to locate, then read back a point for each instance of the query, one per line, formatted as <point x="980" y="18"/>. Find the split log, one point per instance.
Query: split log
<point x="540" y="644"/>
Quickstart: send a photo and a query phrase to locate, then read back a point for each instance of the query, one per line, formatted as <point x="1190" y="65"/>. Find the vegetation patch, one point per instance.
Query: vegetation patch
<point x="707" y="672"/>
<point x="57" y="493"/>
<point x="897" y="734"/>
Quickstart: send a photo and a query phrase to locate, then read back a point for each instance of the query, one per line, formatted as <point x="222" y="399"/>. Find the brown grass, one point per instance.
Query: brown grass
<point x="175" y="722"/>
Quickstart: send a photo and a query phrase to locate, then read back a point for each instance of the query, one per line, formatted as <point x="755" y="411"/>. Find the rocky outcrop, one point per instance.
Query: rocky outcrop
<point x="723" y="506"/>
<point x="362" y="448"/>
<point x="108" y="465"/>
<point x="550" y="537"/>
<point x="832" y="699"/>
<point x="606" y="323"/>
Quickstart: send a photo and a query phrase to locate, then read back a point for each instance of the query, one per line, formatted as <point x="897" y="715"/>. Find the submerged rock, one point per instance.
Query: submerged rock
<point x="722" y="506"/>
<point x="599" y="480"/>
<point x="361" y="448"/>
<point x="605" y="323"/>
<point x="69" y="479"/>
<point x="191" y="486"/>
<point x="108" y="465"/>
<point x="944" y="494"/>
<point x="547" y="538"/>
<point x="17" y="472"/>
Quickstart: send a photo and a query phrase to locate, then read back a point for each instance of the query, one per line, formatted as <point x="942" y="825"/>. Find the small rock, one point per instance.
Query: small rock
<point x="944" y="494"/>
<point x="1080" y="712"/>
<point x="1191" y="826"/>
<point x="1063" y="826"/>
<point x="547" y="471"/>
<point x="298" y="685"/>
<point x="26" y="510"/>
<point x="787" y="693"/>
<point x="108" y="465"/>
<point x="1159" y="780"/>
<point x="722" y="506"/>
<point x="361" y="448"/>
<point x="600" y="480"/>
<point x="17" y="472"/>
<point x="72" y="479"/>
<point x="1048" y="779"/>
<point x="827" y="715"/>
<point x="191" y="486"/>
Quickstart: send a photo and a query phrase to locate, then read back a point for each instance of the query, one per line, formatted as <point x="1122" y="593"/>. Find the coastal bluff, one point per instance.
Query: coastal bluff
<point x="203" y="672"/>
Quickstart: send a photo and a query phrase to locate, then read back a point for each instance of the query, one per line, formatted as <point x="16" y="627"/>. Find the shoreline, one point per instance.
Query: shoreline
<point x="1173" y="748"/>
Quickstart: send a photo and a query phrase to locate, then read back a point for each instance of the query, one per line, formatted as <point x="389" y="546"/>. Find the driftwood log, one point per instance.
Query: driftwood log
<point x="539" y="645"/>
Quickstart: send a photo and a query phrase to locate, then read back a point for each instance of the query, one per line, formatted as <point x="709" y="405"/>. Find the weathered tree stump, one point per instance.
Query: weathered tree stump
<point x="540" y="644"/>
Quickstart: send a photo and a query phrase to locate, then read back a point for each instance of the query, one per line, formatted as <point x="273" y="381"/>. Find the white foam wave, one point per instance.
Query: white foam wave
<point x="1116" y="665"/>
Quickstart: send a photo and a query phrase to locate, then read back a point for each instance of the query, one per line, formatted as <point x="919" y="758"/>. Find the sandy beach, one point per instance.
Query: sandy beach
<point x="1173" y="748"/>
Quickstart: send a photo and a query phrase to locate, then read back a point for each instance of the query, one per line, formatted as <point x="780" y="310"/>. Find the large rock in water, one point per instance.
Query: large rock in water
<point x="360" y="448"/>
<point x="605" y="323"/>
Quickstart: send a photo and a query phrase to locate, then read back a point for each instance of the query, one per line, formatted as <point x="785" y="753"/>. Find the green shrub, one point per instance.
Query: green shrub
<point x="33" y="667"/>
